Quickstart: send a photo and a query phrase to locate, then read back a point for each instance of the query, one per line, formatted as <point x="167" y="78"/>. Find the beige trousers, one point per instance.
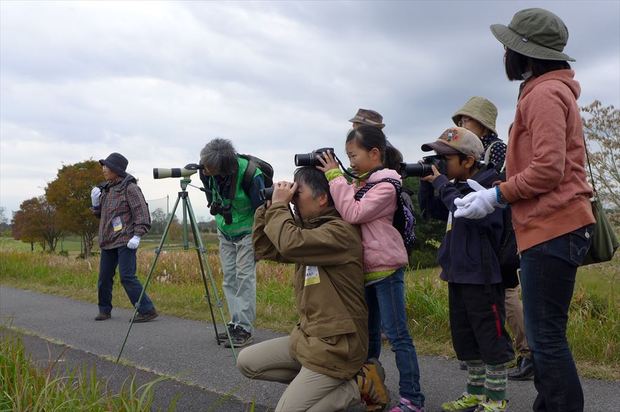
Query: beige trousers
<point x="307" y="390"/>
<point x="514" y="318"/>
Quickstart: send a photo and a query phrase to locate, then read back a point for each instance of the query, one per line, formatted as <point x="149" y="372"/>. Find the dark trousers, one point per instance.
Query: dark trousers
<point x="477" y="319"/>
<point x="547" y="279"/>
<point x="125" y="259"/>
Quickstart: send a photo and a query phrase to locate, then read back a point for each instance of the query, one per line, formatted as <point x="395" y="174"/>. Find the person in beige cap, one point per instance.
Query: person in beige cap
<point x="367" y="117"/>
<point x="479" y="115"/>
<point x="471" y="267"/>
<point x="549" y="196"/>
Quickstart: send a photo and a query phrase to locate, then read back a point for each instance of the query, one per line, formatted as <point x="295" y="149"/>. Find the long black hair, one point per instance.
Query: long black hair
<point x="370" y="137"/>
<point x="516" y="64"/>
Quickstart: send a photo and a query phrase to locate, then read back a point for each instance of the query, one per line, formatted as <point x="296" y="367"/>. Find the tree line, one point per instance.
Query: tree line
<point x="64" y="209"/>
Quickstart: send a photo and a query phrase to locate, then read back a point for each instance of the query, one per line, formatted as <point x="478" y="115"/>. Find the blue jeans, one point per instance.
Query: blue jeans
<point x="547" y="279"/>
<point x="386" y="308"/>
<point x="239" y="279"/>
<point x="125" y="259"/>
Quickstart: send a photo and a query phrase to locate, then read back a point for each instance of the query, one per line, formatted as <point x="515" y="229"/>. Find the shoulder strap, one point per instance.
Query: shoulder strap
<point x="397" y="185"/>
<point x="248" y="175"/>
<point x="585" y="146"/>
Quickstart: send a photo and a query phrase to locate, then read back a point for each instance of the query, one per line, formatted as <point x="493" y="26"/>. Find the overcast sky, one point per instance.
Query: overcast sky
<point x="156" y="81"/>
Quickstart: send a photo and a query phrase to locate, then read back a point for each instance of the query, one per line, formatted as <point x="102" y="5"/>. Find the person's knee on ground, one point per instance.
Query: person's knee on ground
<point x="245" y="363"/>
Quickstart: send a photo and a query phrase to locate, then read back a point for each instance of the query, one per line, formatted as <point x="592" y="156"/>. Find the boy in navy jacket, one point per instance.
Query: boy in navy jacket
<point x="469" y="263"/>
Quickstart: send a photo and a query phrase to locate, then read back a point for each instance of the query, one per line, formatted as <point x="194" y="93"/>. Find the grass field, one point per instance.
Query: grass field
<point x="176" y="288"/>
<point x="26" y="387"/>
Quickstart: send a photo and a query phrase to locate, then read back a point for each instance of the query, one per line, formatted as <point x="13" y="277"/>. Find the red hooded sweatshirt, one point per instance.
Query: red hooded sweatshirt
<point x="545" y="163"/>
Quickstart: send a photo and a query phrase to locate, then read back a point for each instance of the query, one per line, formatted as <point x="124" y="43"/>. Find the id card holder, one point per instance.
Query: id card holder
<point x="117" y="224"/>
<point x="312" y="276"/>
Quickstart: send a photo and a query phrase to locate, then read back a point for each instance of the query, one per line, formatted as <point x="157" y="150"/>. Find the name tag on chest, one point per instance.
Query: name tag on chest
<point x="117" y="224"/>
<point x="312" y="276"/>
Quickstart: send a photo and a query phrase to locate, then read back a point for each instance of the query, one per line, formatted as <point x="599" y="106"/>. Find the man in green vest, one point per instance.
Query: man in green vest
<point x="233" y="207"/>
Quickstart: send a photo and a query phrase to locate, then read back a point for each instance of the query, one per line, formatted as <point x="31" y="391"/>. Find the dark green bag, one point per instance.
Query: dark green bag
<point x="604" y="240"/>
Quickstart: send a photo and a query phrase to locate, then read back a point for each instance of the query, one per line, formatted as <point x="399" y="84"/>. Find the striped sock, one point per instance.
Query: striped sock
<point x="495" y="383"/>
<point x="475" y="377"/>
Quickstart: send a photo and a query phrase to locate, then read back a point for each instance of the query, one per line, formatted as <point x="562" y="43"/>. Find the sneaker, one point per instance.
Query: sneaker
<point x="466" y="403"/>
<point x="223" y="336"/>
<point x="103" y="316"/>
<point x="240" y="338"/>
<point x="523" y="371"/>
<point x="405" y="405"/>
<point x="492" y="406"/>
<point x="146" y="316"/>
<point x="371" y="382"/>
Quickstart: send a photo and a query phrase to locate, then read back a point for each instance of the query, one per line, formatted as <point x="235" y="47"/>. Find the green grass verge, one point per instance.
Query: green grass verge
<point x="176" y="288"/>
<point x="25" y="387"/>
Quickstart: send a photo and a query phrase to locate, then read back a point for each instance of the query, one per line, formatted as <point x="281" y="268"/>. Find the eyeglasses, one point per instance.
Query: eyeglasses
<point x="463" y="120"/>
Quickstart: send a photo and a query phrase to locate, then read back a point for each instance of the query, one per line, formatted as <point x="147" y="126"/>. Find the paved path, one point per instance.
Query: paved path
<point x="188" y="351"/>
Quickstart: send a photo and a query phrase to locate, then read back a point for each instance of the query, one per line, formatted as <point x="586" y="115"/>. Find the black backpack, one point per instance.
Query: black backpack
<point x="404" y="217"/>
<point x="253" y="163"/>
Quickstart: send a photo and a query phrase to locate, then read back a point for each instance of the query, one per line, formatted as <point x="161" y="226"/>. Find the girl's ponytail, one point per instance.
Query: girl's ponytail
<point x="393" y="157"/>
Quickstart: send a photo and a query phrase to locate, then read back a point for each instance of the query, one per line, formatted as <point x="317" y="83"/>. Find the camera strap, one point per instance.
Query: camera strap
<point x="344" y="169"/>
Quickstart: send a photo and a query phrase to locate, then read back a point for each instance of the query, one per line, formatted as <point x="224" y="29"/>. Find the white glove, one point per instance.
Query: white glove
<point x="478" y="204"/>
<point x="133" y="242"/>
<point x="95" y="196"/>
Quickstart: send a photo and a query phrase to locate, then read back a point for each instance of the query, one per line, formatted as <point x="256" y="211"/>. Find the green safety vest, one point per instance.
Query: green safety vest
<point x="241" y="210"/>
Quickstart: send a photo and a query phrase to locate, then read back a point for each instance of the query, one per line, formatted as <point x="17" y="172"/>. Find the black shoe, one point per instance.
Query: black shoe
<point x="223" y="336"/>
<point x="146" y="316"/>
<point x="463" y="365"/>
<point x="524" y="370"/>
<point x="103" y="316"/>
<point x="240" y="338"/>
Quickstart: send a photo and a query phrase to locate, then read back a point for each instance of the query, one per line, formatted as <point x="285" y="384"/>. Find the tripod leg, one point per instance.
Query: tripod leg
<point x="148" y="278"/>
<point x="205" y="264"/>
<point x="200" y="251"/>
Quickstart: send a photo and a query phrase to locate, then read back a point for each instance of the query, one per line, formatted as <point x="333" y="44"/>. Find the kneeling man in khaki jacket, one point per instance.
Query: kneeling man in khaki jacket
<point x="328" y="346"/>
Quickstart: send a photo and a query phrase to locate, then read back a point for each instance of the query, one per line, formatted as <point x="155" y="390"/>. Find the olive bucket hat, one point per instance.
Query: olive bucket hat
<point x="479" y="109"/>
<point x="536" y="33"/>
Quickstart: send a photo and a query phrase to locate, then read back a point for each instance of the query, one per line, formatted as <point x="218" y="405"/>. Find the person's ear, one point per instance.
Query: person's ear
<point x="470" y="162"/>
<point x="323" y="200"/>
<point x="375" y="153"/>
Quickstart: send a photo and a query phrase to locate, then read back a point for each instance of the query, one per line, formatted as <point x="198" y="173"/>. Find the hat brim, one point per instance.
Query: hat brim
<point x="520" y="44"/>
<point x="457" y="116"/>
<point x="440" y="147"/>
<point x="116" y="170"/>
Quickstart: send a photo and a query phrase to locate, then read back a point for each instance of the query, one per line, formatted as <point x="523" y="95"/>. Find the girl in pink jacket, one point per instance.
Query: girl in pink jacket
<point x="384" y="251"/>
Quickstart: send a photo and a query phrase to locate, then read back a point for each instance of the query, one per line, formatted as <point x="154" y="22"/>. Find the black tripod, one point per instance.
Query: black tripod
<point x="201" y="251"/>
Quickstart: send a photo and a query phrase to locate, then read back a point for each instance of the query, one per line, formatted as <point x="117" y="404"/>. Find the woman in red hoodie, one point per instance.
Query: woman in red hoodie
<point x="549" y="195"/>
